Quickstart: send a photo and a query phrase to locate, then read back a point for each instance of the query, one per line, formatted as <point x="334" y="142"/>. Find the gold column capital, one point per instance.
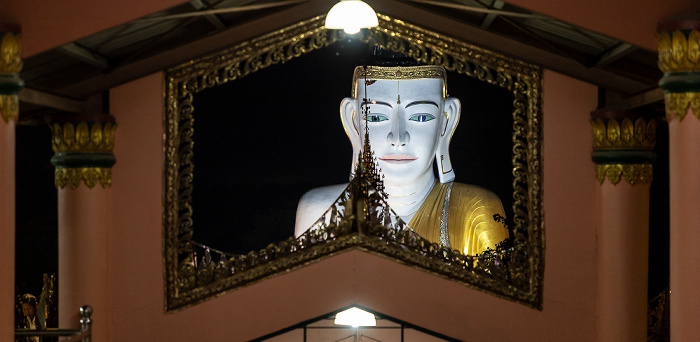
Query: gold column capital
<point x="626" y="133"/>
<point x="632" y="173"/>
<point x="623" y="145"/>
<point x="679" y="59"/>
<point x="10" y="66"/>
<point x="679" y="50"/>
<point x="83" y="146"/>
<point x="11" y="53"/>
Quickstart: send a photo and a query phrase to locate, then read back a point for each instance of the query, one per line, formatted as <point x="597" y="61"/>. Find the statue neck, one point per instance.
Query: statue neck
<point x="406" y="199"/>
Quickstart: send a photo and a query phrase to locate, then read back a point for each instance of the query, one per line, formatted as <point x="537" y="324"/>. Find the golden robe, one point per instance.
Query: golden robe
<point x="460" y="216"/>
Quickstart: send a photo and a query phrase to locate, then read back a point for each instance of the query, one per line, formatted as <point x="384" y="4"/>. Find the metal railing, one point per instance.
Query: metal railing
<point x="83" y="334"/>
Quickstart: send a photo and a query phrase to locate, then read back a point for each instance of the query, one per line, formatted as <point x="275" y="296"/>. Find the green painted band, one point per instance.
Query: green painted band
<point x="623" y="157"/>
<point x="10" y="84"/>
<point x="76" y="160"/>
<point x="681" y="82"/>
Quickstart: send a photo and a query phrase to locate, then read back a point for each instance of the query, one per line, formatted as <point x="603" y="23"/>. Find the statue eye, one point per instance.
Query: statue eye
<point x="376" y="117"/>
<point x="421" y="117"/>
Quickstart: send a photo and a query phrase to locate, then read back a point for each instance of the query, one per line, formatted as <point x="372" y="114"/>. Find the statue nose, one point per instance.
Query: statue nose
<point x="398" y="136"/>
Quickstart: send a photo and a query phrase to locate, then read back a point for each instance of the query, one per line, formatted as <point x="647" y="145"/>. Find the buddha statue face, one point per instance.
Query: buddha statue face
<point x="410" y="122"/>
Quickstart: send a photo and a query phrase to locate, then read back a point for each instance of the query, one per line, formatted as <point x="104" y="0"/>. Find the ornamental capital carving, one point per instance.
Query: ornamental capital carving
<point x="83" y="137"/>
<point x="624" y="134"/>
<point x="10" y="53"/>
<point x="632" y="173"/>
<point x="679" y="51"/>
<point x="679" y="59"/>
<point x="83" y="146"/>
<point x="10" y="66"/>
<point x="623" y="145"/>
<point x="73" y="176"/>
<point x="9" y="107"/>
<point x="677" y="104"/>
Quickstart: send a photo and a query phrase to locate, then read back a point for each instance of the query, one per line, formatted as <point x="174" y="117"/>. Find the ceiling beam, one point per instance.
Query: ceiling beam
<point x="211" y="18"/>
<point x="206" y="45"/>
<point x="612" y="54"/>
<point x="522" y="28"/>
<point x="655" y="95"/>
<point x="433" y="21"/>
<point x="233" y="9"/>
<point x="43" y="99"/>
<point x="408" y="12"/>
<point x="497" y="4"/>
<point x="466" y="6"/>
<point x="86" y="55"/>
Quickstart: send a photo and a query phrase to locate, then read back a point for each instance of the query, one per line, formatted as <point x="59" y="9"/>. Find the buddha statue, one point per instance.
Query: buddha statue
<point x="410" y="122"/>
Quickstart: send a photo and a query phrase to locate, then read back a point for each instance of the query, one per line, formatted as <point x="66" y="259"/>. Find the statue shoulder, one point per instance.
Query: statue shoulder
<point x="471" y="197"/>
<point x="330" y="192"/>
<point x="473" y="209"/>
<point x="313" y="204"/>
<point x="470" y="190"/>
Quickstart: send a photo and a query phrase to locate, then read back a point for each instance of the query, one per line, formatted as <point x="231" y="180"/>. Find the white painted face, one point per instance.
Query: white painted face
<point x="405" y="121"/>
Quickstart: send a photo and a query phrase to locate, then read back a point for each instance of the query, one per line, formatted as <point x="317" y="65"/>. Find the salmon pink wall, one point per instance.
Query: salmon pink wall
<point x="48" y="24"/>
<point x="7" y="229"/>
<point x="632" y="21"/>
<point x="136" y="270"/>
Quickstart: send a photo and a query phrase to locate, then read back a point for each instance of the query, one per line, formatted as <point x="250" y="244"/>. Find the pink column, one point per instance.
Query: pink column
<point x="83" y="221"/>
<point x="83" y="145"/>
<point x="623" y="254"/>
<point x="7" y="230"/>
<point x="10" y="83"/>
<point x="684" y="164"/>
<point x="623" y="153"/>
<point x="681" y="82"/>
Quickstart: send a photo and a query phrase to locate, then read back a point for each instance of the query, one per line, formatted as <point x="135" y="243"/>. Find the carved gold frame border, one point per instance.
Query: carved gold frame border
<point x="185" y="286"/>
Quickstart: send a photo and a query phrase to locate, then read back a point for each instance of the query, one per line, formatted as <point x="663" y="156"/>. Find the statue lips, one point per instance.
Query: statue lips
<point x="398" y="158"/>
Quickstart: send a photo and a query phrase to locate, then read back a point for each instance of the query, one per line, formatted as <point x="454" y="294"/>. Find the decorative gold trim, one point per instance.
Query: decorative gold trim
<point x="11" y="53"/>
<point x="91" y="176"/>
<point x="639" y="134"/>
<point x="447" y="121"/>
<point x="633" y="173"/>
<point x="9" y="107"/>
<point x="83" y="152"/>
<point x="399" y="73"/>
<point x="678" y="52"/>
<point x="83" y="137"/>
<point x="10" y="64"/>
<point x="442" y="167"/>
<point x="249" y="57"/>
<point x="677" y="105"/>
<point x="185" y="285"/>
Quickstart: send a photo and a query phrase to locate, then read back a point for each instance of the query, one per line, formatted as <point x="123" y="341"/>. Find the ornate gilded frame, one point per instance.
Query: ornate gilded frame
<point x="187" y="284"/>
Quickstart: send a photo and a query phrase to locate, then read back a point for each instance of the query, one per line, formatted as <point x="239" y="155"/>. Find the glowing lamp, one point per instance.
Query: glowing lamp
<point x="355" y="317"/>
<point x="350" y="16"/>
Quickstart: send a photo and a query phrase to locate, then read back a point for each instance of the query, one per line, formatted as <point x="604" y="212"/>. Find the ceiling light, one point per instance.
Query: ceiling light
<point x="356" y="318"/>
<point x="351" y="16"/>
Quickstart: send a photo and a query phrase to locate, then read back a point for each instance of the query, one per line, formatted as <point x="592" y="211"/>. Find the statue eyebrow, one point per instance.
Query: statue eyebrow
<point x="422" y="102"/>
<point x="378" y="102"/>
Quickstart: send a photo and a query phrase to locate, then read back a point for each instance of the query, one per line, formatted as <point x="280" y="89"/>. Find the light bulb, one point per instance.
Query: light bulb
<point x="355" y="317"/>
<point x="351" y="16"/>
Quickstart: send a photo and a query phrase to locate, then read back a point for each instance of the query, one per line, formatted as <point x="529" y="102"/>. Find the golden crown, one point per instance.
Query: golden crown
<point x="399" y="74"/>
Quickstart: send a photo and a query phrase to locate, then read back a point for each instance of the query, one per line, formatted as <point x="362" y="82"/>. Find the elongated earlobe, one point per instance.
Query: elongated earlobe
<point x="448" y="122"/>
<point x="351" y="123"/>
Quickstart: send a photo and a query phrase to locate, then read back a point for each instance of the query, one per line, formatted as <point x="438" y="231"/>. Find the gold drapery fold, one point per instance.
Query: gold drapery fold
<point x="471" y="225"/>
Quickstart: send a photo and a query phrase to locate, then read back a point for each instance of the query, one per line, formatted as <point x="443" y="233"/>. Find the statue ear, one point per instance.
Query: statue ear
<point x="349" y="115"/>
<point x="448" y="124"/>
